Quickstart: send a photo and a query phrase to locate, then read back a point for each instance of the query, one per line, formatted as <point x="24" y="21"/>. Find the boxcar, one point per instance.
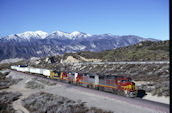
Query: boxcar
<point x="35" y="70"/>
<point x="13" y="67"/>
<point x="26" y="69"/>
<point x="46" y="72"/>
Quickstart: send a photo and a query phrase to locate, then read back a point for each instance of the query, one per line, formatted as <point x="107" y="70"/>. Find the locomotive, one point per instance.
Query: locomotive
<point x="120" y="85"/>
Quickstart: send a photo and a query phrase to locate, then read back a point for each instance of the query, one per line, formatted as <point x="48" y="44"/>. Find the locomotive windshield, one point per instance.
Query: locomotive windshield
<point x="126" y="80"/>
<point x="129" y="80"/>
<point x="123" y="81"/>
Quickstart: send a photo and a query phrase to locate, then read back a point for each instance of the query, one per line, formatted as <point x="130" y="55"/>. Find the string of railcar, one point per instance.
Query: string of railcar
<point x="120" y="85"/>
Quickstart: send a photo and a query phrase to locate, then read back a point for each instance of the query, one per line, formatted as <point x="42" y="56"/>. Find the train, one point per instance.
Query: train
<point x="119" y="85"/>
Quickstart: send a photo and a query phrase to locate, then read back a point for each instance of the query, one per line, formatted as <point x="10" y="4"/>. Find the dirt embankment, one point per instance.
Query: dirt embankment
<point x="78" y="59"/>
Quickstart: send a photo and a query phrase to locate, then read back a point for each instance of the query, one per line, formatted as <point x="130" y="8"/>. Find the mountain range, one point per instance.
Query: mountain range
<point x="40" y="44"/>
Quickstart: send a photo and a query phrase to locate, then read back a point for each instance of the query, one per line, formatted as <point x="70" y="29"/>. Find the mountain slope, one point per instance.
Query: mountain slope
<point x="41" y="44"/>
<point x="142" y="51"/>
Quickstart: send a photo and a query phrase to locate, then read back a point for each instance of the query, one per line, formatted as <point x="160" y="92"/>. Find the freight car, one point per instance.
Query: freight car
<point x="120" y="85"/>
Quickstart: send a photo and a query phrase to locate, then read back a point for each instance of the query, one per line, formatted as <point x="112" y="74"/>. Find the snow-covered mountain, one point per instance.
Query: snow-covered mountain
<point x="30" y="35"/>
<point x="39" y="44"/>
<point x="73" y="36"/>
<point x="26" y="36"/>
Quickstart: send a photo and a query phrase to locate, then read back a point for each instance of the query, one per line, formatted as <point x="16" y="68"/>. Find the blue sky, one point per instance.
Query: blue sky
<point x="145" y="18"/>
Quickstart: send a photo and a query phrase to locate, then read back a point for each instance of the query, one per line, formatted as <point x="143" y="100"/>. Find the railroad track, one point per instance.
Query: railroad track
<point x="136" y="62"/>
<point x="160" y="107"/>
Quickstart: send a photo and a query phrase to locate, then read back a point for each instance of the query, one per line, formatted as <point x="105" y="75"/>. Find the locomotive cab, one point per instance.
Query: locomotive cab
<point x="125" y="84"/>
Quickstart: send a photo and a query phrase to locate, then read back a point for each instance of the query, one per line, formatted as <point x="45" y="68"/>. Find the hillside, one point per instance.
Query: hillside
<point x="143" y="51"/>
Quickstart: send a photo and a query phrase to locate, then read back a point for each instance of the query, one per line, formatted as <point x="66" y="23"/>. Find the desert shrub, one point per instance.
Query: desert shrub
<point x="48" y="103"/>
<point x="5" y="82"/>
<point x="3" y="75"/>
<point x="6" y="99"/>
<point x="4" y="66"/>
<point x="153" y="92"/>
<point x="159" y="92"/>
<point x="166" y="93"/>
<point x="32" y="84"/>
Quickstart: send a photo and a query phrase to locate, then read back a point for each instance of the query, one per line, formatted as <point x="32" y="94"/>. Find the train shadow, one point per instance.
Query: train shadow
<point x="141" y="93"/>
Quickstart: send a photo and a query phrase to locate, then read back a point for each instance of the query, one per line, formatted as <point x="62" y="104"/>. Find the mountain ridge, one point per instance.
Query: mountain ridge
<point x="73" y="35"/>
<point x="42" y="35"/>
<point x="41" y="44"/>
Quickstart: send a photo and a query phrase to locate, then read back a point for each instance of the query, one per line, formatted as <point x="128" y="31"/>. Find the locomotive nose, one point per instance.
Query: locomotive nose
<point x="132" y="83"/>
